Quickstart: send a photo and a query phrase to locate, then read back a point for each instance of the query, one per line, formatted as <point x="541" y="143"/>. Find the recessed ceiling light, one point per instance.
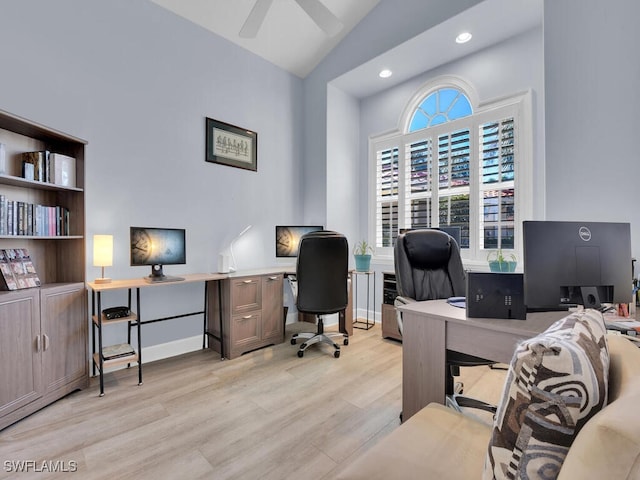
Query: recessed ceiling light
<point x="464" y="37"/>
<point x="386" y="73"/>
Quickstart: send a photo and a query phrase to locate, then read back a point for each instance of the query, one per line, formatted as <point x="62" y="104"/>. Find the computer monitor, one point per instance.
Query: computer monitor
<point x="288" y="238"/>
<point x="576" y="263"/>
<point x="157" y="247"/>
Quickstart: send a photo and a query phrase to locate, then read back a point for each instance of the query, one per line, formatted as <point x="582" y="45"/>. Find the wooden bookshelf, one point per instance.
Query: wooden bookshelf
<point x="43" y="330"/>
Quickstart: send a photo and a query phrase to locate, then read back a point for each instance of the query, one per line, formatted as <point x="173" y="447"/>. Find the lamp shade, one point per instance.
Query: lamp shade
<point x="102" y="250"/>
<point x="102" y="254"/>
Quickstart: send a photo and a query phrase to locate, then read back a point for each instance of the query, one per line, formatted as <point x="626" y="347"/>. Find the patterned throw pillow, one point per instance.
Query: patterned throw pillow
<point x="556" y="382"/>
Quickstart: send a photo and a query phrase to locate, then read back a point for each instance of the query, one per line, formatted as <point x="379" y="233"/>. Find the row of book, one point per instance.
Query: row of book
<point x="45" y="166"/>
<point x="23" y="218"/>
<point x="17" y="270"/>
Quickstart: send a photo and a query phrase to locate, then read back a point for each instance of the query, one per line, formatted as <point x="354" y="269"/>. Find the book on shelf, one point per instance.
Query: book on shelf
<point x="23" y="218"/>
<point x="8" y="280"/>
<point x="39" y="161"/>
<point x="17" y="269"/>
<point x="3" y="215"/>
<point x="117" y="351"/>
<point x="62" y="170"/>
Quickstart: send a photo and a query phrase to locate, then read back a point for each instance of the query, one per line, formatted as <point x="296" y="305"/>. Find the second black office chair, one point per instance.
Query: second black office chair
<point x="428" y="267"/>
<point x="321" y="272"/>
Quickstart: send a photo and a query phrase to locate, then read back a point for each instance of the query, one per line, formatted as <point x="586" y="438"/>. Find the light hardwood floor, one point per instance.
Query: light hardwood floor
<point x="265" y="415"/>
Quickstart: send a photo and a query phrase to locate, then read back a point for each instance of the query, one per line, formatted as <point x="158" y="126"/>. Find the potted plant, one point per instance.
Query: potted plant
<point x="362" y="253"/>
<point x="499" y="263"/>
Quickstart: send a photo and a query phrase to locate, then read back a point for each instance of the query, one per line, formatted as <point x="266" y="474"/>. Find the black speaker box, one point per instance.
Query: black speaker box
<point x="495" y="295"/>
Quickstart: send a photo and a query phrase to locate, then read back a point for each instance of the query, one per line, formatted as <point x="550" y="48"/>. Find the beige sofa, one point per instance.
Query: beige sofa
<point x="440" y="443"/>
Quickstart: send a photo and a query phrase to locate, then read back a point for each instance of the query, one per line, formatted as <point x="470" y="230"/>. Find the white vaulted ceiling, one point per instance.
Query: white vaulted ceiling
<point x="287" y="37"/>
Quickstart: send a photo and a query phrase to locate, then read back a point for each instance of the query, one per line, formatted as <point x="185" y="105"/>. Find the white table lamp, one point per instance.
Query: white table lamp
<point x="102" y="254"/>
<point x="227" y="261"/>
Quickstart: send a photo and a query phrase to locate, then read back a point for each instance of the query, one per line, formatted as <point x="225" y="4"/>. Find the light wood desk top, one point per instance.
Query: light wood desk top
<point x="140" y="282"/>
<point x="431" y="328"/>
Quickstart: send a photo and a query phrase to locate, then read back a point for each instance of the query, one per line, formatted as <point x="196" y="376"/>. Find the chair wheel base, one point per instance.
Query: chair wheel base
<point x="336" y="354"/>
<point x="300" y="353"/>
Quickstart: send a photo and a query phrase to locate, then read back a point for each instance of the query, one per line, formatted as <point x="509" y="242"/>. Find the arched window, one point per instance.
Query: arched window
<point x="441" y="106"/>
<point x="454" y="164"/>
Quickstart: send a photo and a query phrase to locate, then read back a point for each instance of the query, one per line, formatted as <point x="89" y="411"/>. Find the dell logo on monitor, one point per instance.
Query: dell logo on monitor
<point x="584" y="233"/>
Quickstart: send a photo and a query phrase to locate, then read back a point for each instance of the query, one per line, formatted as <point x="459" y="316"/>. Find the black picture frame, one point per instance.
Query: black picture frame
<point x="231" y="145"/>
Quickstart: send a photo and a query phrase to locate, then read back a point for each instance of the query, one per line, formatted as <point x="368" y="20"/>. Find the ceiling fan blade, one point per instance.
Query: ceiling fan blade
<point x="254" y="21"/>
<point x="322" y="16"/>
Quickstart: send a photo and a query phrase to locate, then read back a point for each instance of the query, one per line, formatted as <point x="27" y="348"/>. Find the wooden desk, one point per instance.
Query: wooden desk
<point x="430" y="328"/>
<point x="99" y="321"/>
<point x="214" y="308"/>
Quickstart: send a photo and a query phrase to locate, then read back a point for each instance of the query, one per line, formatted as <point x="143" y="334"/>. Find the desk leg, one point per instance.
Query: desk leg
<point x="205" y="316"/>
<point x="100" y="358"/>
<point x="423" y="363"/>
<point x="139" y="337"/>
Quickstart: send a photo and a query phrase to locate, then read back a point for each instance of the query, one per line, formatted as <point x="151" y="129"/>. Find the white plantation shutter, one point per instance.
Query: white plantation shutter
<point x="454" y="181"/>
<point x="497" y="184"/>
<point x="387" y="166"/>
<point x="463" y="173"/>
<point x="419" y="178"/>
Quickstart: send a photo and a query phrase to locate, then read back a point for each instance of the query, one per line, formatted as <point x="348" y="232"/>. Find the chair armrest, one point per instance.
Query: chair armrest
<point x="399" y="301"/>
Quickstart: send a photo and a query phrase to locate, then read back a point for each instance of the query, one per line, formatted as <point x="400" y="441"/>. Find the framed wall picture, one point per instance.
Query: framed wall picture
<point x="231" y="145"/>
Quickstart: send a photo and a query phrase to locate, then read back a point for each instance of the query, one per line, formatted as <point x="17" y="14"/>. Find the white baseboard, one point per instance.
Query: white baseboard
<point x="171" y="349"/>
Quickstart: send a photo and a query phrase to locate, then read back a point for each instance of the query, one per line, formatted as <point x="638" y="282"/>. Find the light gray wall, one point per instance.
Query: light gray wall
<point x="592" y="94"/>
<point x="137" y="82"/>
<point x="343" y="168"/>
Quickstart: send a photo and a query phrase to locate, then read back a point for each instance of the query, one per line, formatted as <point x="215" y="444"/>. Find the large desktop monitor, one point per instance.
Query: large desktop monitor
<point x="576" y="263"/>
<point x="288" y="238"/>
<point x="157" y="247"/>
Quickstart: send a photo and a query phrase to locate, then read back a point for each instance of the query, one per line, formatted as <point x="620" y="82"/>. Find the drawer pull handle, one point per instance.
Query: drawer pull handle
<point x="247" y="281"/>
<point x="275" y="277"/>
<point x="247" y="317"/>
<point x="38" y="346"/>
<point x="45" y="342"/>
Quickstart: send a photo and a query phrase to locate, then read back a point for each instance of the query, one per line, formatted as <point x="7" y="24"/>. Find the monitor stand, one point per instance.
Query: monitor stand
<point x="590" y="297"/>
<point x="157" y="276"/>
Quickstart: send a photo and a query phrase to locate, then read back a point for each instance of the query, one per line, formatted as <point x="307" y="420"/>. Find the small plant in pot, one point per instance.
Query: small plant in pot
<point x="501" y="262"/>
<point x="362" y="253"/>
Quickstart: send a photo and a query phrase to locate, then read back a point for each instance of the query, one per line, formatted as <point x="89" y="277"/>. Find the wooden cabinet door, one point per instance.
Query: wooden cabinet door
<point x="390" y="322"/>
<point x="246" y="294"/>
<point x="64" y="332"/>
<point x="20" y="344"/>
<point x="272" y="308"/>
<point x="245" y="334"/>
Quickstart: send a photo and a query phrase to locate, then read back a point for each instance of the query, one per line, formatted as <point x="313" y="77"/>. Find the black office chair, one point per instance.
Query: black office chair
<point x="428" y="267"/>
<point x="321" y="272"/>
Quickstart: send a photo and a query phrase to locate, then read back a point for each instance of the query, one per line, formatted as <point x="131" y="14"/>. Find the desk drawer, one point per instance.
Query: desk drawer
<point x="246" y="332"/>
<point x="246" y="294"/>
